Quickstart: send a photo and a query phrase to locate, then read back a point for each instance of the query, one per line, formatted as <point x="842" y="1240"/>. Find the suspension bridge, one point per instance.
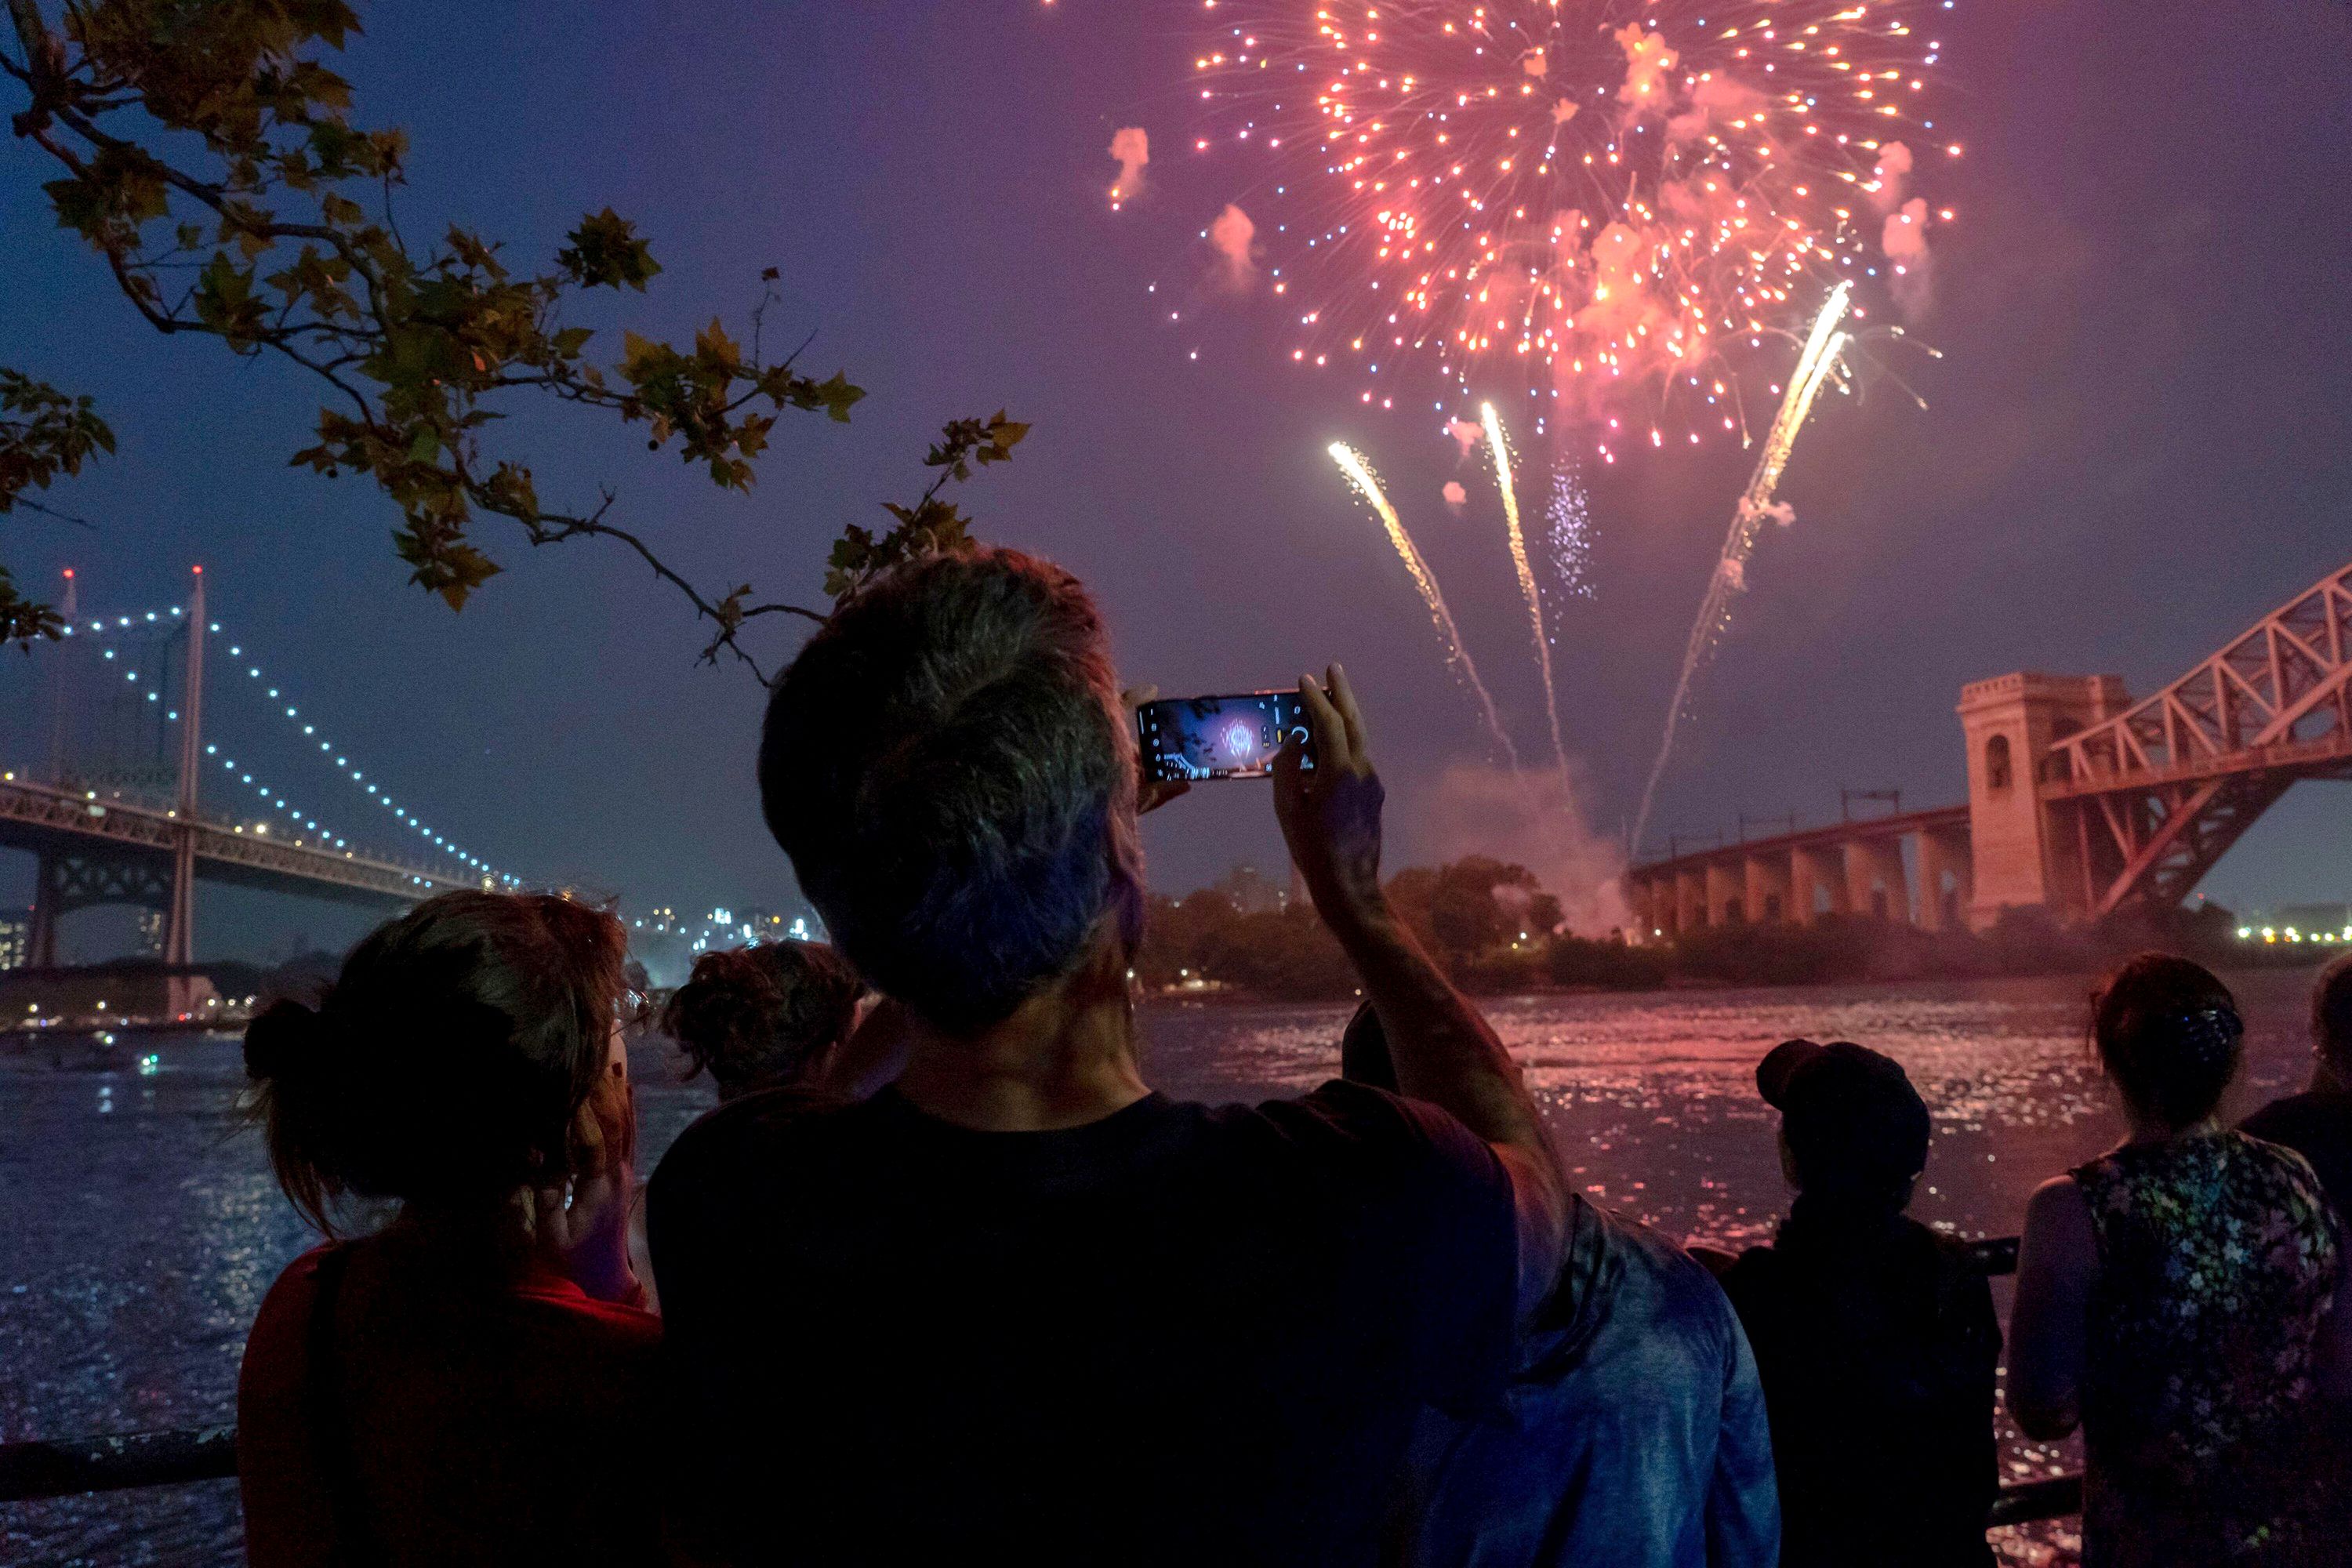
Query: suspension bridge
<point x="2081" y="801"/>
<point x="129" y="805"/>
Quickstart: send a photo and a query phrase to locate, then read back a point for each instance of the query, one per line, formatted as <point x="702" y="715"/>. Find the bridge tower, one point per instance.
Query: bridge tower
<point x="179" y="923"/>
<point x="2011" y="722"/>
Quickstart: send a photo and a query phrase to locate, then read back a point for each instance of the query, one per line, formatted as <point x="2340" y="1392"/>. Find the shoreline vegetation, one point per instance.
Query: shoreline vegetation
<point x="1496" y="932"/>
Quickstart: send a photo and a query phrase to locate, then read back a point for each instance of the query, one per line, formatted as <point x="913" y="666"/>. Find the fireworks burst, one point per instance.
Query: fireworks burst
<point x="1608" y="202"/>
<point x="1425" y="581"/>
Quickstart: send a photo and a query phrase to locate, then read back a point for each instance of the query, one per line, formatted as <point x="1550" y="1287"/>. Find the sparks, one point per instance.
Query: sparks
<point x="1625" y="202"/>
<point x="1501" y="448"/>
<point x="1814" y="367"/>
<point x="1425" y="581"/>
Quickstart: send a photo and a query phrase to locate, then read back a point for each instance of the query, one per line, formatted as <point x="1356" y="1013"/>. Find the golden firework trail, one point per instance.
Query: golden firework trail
<point x="1501" y="448"/>
<point x="1814" y="367"/>
<point x="1425" y="581"/>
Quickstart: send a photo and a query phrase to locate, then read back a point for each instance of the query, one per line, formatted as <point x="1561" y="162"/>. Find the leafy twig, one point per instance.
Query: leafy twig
<point x="287" y="217"/>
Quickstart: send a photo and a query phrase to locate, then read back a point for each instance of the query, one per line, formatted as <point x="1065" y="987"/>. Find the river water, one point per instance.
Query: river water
<point x="140" y="1228"/>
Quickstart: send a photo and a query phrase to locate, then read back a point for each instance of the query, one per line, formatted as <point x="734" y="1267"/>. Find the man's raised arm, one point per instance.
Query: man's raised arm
<point x="1443" y="1051"/>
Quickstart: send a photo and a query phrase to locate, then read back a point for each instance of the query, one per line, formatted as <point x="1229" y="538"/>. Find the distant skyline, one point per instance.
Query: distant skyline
<point x="2133" y="445"/>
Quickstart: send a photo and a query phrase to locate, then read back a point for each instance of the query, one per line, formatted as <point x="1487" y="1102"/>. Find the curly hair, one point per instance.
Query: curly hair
<point x="754" y="1018"/>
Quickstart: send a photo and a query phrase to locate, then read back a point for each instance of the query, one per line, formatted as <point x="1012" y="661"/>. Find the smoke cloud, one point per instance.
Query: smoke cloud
<point x="1648" y="58"/>
<point x="1456" y="495"/>
<point x="1891" y="179"/>
<point x="1466" y="435"/>
<point x="1532" y="818"/>
<point x="1132" y="148"/>
<point x="1904" y="240"/>
<point x="1230" y="236"/>
<point x="1716" y="99"/>
<point x="1534" y="63"/>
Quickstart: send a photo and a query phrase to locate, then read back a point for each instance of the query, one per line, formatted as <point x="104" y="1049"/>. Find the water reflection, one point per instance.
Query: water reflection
<point x="141" y="1228"/>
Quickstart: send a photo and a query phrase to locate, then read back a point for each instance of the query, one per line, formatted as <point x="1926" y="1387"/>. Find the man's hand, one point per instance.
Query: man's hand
<point x="1331" y="813"/>
<point x="1150" y="794"/>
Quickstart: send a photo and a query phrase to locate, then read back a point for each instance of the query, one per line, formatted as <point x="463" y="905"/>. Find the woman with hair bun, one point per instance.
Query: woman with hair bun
<point x="467" y="1383"/>
<point x="2184" y="1299"/>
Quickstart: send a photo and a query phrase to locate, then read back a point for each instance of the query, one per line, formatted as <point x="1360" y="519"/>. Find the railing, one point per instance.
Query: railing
<point x="41" y="1470"/>
<point x="30" y="1471"/>
<point x="45" y="1469"/>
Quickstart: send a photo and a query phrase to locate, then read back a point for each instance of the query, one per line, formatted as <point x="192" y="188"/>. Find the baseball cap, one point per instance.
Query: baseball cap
<point x="1850" y="1114"/>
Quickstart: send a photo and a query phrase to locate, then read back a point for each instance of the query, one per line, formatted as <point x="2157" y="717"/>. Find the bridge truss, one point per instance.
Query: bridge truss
<point x="2152" y="797"/>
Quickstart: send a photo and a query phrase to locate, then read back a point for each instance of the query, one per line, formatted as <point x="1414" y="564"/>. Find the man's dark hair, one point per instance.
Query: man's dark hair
<point x="2331" y="1014"/>
<point x="2168" y="1033"/>
<point x="949" y="766"/>
<point x="756" y="1017"/>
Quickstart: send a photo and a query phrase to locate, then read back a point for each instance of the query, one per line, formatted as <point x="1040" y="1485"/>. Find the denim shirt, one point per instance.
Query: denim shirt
<point x="1634" y="1433"/>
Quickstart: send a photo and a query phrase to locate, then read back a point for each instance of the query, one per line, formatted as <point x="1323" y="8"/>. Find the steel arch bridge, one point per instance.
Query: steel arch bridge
<point x="2081" y="801"/>
<point x="2152" y="797"/>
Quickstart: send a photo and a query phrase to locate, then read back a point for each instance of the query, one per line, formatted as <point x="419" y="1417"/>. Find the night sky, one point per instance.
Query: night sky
<point x="2136" y="443"/>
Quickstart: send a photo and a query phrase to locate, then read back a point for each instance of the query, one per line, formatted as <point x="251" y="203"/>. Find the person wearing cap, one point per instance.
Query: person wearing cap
<point x="1875" y="1336"/>
<point x="1633" y="1430"/>
<point x="2182" y="1299"/>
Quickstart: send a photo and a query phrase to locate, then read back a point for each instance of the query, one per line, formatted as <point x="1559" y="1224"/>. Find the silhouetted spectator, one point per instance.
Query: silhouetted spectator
<point x="1016" y="1307"/>
<point x="2318" y="1123"/>
<point x="470" y="1384"/>
<point x="1633" y="1431"/>
<point x="1875" y="1334"/>
<point x="764" y="1016"/>
<point x="2174" y="1299"/>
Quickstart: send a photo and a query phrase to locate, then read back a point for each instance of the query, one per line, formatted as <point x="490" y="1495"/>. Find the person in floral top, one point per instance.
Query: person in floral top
<point x="2185" y="1300"/>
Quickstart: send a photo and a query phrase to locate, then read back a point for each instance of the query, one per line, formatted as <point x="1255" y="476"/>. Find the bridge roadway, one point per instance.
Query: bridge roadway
<point x="60" y="824"/>
<point x="1854" y="867"/>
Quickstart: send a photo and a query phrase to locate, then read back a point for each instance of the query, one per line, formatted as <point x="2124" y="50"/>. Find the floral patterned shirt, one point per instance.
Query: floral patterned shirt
<point x="2216" y="1267"/>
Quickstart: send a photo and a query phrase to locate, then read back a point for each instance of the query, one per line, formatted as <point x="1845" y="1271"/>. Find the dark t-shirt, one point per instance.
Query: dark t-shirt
<point x="1877" y="1343"/>
<point x="2317" y="1125"/>
<point x="1182" y="1334"/>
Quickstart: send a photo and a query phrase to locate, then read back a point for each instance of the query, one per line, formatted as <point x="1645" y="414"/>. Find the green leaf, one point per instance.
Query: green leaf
<point x="606" y="252"/>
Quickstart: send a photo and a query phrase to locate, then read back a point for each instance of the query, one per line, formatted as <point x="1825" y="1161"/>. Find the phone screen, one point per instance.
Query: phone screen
<point x="1186" y="738"/>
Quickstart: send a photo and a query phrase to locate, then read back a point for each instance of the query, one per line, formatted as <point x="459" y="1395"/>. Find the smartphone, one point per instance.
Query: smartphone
<point x="1188" y="738"/>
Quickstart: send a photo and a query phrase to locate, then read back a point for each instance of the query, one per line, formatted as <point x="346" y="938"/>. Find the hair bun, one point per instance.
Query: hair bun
<point x="2209" y="1034"/>
<point x="281" y="1041"/>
